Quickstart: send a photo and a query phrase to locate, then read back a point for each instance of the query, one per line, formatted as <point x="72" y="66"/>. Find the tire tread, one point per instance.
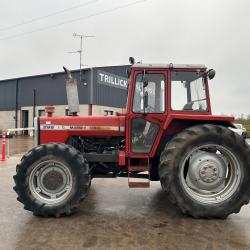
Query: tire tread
<point x="171" y="153"/>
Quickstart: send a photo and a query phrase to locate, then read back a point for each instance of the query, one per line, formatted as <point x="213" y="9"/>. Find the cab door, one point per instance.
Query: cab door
<point x="147" y="112"/>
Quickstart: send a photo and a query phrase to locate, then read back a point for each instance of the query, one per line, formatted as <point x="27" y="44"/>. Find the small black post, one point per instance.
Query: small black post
<point x="16" y="104"/>
<point x="34" y="105"/>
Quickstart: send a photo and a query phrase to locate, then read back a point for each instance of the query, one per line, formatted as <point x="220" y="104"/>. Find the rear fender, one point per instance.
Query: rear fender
<point x="176" y="125"/>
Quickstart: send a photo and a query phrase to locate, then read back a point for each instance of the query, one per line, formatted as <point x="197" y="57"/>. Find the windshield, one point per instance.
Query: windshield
<point x="188" y="91"/>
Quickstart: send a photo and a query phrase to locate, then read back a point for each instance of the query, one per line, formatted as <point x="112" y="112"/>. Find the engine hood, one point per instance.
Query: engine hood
<point x="83" y="123"/>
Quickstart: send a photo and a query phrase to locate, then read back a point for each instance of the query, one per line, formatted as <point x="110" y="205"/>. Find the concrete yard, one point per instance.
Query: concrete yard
<point x="115" y="217"/>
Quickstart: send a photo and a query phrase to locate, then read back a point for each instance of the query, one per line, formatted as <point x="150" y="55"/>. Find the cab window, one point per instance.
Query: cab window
<point x="188" y="91"/>
<point x="155" y="91"/>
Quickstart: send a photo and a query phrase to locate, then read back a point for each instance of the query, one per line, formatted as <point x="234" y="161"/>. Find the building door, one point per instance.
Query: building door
<point x="25" y="120"/>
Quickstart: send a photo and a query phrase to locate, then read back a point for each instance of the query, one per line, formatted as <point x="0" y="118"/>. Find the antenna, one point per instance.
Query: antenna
<point x="80" y="50"/>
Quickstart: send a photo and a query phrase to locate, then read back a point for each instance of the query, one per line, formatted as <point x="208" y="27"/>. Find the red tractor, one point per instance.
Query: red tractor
<point x="167" y="133"/>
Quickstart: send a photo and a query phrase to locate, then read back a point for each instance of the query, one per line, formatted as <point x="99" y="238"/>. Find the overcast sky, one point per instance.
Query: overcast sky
<point x="211" y="32"/>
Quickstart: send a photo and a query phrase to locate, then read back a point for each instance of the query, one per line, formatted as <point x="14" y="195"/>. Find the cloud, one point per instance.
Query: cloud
<point x="211" y="32"/>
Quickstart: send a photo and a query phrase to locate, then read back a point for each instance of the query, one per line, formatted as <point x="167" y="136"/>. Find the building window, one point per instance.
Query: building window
<point x="41" y="112"/>
<point x="108" y="112"/>
<point x="67" y="111"/>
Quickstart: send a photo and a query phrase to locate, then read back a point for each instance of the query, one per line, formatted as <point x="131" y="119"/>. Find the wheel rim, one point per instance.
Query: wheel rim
<point x="210" y="174"/>
<point x="50" y="182"/>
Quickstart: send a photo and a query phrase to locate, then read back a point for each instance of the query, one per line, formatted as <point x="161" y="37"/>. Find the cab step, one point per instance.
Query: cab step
<point x="138" y="168"/>
<point x="134" y="184"/>
<point x="143" y="166"/>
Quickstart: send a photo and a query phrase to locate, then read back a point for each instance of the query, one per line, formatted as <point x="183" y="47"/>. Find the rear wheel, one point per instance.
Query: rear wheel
<point x="51" y="180"/>
<point x="206" y="171"/>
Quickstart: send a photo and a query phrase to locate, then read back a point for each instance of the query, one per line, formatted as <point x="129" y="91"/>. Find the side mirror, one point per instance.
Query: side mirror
<point x="131" y="60"/>
<point x="211" y="74"/>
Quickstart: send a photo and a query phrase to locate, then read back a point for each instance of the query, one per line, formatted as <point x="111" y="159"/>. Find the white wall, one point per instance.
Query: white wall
<point x="7" y="117"/>
<point x="99" y="110"/>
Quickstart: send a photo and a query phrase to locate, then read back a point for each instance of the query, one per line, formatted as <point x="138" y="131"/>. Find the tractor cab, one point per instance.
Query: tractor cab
<point x="158" y="91"/>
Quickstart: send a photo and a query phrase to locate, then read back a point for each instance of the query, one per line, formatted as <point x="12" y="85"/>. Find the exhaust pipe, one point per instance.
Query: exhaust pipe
<point x="72" y="94"/>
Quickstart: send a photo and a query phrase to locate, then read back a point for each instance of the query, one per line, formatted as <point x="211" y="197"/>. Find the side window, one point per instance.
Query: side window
<point x="155" y="90"/>
<point x="188" y="91"/>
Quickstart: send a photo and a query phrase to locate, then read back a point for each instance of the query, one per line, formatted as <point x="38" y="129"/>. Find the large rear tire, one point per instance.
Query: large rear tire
<point x="52" y="179"/>
<point x="205" y="171"/>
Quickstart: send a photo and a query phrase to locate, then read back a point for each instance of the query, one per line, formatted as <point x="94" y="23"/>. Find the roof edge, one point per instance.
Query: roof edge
<point x="170" y="65"/>
<point x="59" y="72"/>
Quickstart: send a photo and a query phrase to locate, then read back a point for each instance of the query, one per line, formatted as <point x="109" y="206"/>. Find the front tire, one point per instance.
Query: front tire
<point x="52" y="179"/>
<point x="205" y="171"/>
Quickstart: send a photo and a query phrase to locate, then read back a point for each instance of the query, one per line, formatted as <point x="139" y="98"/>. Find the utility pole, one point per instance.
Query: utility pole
<point x="80" y="50"/>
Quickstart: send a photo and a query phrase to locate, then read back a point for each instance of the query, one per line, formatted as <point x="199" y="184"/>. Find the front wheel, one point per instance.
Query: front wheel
<point x="206" y="171"/>
<point x="52" y="179"/>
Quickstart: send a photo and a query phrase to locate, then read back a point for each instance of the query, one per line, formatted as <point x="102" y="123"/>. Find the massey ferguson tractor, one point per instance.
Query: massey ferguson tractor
<point x="167" y="133"/>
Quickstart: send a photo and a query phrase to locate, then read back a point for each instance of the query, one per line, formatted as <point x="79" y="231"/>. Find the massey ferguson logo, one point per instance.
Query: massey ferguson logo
<point x="112" y="80"/>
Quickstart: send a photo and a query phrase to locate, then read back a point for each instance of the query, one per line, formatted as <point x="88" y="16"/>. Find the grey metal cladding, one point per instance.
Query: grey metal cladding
<point x="112" y="90"/>
<point x="84" y="86"/>
<point x="7" y="95"/>
<point x="50" y="89"/>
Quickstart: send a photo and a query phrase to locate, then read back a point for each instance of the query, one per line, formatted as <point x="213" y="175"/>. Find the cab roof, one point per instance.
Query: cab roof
<point x="170" y="65"/>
